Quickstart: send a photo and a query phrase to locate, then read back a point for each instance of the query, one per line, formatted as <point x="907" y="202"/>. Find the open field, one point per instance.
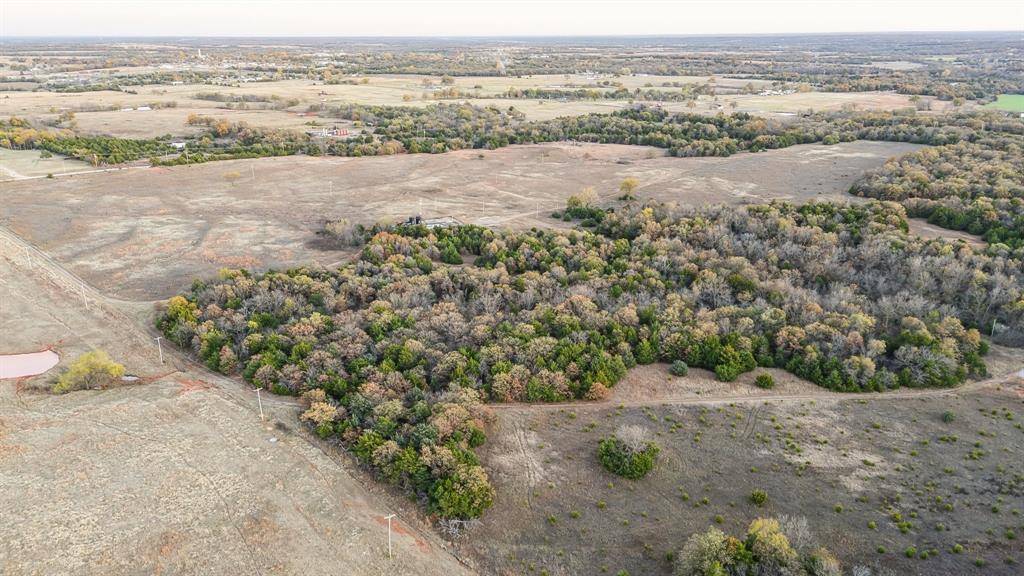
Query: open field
<point x="1011" y="102"/>
<point x="146" y="233"/>
<point x="212" y="489"/>
<point x="95" y="116"/>
<point x="173" y="121"/>
<point x="841" y="463"/>
<point x="18" y="164"/>
<point x="818" y="101"/>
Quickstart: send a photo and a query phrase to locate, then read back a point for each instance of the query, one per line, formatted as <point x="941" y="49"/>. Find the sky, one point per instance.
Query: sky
<point x="497" y="17"/>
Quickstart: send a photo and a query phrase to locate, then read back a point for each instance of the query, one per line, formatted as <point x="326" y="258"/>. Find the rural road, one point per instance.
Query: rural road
<point x="13" y="175"/>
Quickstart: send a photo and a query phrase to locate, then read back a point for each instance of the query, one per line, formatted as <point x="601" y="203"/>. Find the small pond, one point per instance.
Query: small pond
<point x="31" y="364"/>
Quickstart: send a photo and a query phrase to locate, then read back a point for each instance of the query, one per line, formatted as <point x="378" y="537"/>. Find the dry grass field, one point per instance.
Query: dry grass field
<point x="18" y="164"/>
<point x="146" y="233"/>
<point x="841" y="461"/>
<point x="94" y="117"/>
<point x="212" y="489"/>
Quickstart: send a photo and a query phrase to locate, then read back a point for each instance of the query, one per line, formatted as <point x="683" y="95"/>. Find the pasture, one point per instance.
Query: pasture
<point x="1009" y="102"/>
<point x="105" y="112"/>
<point x="146" y="233"/>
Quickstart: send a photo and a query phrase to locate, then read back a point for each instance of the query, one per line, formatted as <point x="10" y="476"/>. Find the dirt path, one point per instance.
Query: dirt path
<point x="824" y="394"/>
<point x="12" y="173"/>
<point x="19" y="176"/>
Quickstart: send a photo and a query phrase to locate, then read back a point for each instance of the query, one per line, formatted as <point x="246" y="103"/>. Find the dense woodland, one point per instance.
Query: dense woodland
<point x="398" y="352"/>
<point x="976" y="186"/>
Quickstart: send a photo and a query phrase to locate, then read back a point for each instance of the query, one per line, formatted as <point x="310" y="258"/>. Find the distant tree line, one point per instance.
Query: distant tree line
<point x="618" y="93"/>
<point x="17" y="134"/>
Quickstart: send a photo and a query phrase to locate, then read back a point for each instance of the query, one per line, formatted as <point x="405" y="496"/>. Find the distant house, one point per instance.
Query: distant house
<point x="178" y="145"/>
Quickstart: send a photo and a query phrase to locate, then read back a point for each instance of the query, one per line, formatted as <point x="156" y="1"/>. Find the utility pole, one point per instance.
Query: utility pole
<point x="389" y="517"/>
<point x="160" y="348"/>
<point x="259" y="400"/>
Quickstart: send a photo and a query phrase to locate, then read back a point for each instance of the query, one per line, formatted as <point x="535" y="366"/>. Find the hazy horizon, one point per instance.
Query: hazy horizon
<point x="513" y="36"/>
<point x="497" y="18"/>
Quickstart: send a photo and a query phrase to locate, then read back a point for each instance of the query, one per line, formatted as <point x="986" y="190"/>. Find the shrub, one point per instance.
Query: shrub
<point x="678" y="368"/>
<point x="821" y="562"/>
<point x="764" y="380"/>
<point x="321" y="415"/>
<point x="769" y="545"/>
<point x="628" y="453"/>
<point x="766" y="549"/>
<point x="450" y="255"/>
<point x="948" y="416"/>
<point x="466" y="493"/>
<point x="705" y="553"/>
<point x="91" y="370"/>
<point x="345" y="232"/>
<point x="759" y="498"/>
<point x="727" y="372"/>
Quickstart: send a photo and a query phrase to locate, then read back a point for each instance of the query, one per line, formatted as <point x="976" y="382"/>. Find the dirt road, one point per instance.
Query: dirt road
<point x="823" y="394"/>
